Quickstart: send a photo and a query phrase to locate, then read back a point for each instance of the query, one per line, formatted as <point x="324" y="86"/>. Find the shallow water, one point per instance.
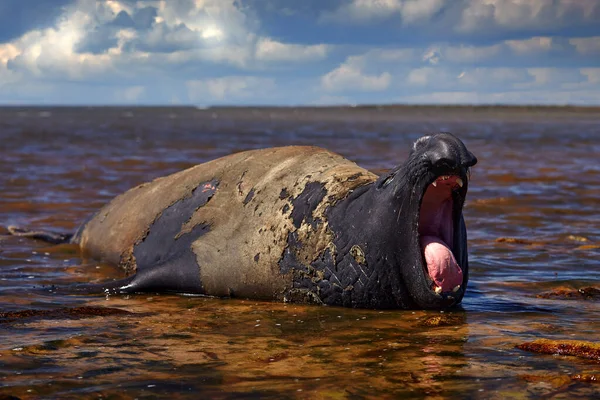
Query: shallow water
<point x="533" y="221"/>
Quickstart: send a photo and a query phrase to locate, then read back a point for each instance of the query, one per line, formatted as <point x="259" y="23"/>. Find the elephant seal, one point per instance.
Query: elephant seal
<point x="297" y="224"/>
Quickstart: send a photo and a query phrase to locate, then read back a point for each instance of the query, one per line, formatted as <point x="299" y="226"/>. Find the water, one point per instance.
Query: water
<point x="533" y="221"/>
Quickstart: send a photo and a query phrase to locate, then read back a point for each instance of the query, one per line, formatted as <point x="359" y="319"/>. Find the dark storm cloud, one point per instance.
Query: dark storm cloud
<point x="18" y="17"/>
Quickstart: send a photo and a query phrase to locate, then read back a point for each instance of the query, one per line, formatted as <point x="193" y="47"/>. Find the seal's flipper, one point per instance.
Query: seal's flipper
<point x="46" y="236"/>
<point x="103" y="288"/>
<point x="165" y="259"/>
<point x="108" y="287"/>
<point x="179" y="275"/>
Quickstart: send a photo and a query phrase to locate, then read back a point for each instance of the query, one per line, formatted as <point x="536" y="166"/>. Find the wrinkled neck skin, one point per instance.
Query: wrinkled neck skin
<point x="383" y="219"/>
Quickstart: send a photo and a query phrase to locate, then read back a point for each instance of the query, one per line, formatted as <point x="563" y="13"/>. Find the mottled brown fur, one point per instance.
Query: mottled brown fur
<point x="247" y="216"/>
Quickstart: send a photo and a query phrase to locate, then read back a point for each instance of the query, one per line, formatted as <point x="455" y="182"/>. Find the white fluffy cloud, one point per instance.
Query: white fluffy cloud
<point x="357" y="74"/>
<point x="106" y="41"/>
<point x="348" y="78"/>
<point x="271" y="50"/>
<point x="50" y="52"/>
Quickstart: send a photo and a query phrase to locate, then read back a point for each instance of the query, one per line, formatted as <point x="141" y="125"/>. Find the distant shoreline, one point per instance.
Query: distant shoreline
<point x="458" y="107"/>
<point x="393" y="113"/>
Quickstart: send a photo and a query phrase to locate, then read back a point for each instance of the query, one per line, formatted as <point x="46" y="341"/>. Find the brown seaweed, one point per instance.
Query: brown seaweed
<point x="587" y="293"/>
<point x="577" y="348"/>
<point x="60" y="313"/>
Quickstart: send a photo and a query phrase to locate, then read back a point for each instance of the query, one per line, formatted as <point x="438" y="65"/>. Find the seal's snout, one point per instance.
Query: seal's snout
<point x="446" y="152"/>
<point x="471" y="160"/>
<point x="443" y="155"/>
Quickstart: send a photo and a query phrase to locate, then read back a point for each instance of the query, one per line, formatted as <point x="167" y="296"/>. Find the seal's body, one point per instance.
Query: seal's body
<point x="295" y="224"/>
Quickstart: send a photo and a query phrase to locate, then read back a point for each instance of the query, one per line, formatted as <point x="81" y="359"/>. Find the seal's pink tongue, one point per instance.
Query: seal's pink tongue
<point x="441" y="264"/>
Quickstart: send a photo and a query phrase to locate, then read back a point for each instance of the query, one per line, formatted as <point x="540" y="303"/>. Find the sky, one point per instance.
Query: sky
<point x="299" y="52"/>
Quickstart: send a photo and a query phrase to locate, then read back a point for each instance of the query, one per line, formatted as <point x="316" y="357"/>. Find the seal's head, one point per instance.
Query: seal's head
<point x="430" y="190"/>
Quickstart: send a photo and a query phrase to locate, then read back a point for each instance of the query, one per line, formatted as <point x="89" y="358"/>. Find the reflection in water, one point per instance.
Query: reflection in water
<point x="534" y="238"/>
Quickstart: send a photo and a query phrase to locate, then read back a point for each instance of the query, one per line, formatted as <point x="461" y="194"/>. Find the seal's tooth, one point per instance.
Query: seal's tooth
<point x="438" y="290"/>
<point x="456" y="288"/>
<point x="460" y="182"/>
<point x="434" y="184"/>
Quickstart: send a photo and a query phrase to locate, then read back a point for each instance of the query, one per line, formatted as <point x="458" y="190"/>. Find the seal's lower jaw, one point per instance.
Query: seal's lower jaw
<point x="439" y="215"/>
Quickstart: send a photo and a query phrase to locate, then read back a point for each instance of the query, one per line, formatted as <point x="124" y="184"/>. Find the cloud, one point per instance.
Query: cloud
<point x="485" y="79"/>
<point x="546" y="97"/>
<point x="416" y="10"/>
<point x="495" y="85"/>
<point x="271" y="50"/>
<point x="129" y="94"/>
<point x="432" y="55"/>
<point x="454" y="19"/>
<point x="552" y="77"/>
<point x="50" y="52"/>
<point x="352" y="76"/>
<point x="471" y="54"/>
<point x="362" y="11"/>
<point x="534" y="44"/>
<point x="121" y="40"/>
<point x="493" y="77"/>
<point x="367" y="72"/>
<point x="227" y="88"/>
<point x="588" y="45"/>
<point x="534" y="51"/>
<point x="421" y="76"/>
<point x="527" y="14"/>
<point x="592" y="75"/>
<point x="348" y="78"/>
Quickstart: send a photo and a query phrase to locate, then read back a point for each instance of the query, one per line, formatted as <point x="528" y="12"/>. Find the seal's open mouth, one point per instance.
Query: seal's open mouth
<point x="437" y="225"/>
